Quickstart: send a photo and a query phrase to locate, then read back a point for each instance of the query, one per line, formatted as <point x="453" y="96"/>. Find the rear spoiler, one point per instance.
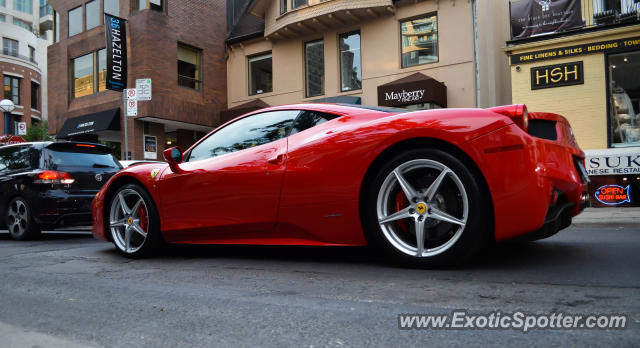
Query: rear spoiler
<point x="86" y="147"/>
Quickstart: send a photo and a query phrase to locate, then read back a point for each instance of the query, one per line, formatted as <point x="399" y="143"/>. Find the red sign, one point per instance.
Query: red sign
<point x="613" y="194"/>
<point x="11" y="139"/>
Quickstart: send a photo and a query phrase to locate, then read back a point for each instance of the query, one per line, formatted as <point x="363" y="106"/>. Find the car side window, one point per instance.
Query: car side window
<point x="245" y="133"/>
<point x="14" y="158"/>
<point x="308" y="119"/>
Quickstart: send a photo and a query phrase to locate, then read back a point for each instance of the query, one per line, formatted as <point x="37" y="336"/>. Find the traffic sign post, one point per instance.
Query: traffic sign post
<point x="130" y="99"/>
<point x="21" y="128"/>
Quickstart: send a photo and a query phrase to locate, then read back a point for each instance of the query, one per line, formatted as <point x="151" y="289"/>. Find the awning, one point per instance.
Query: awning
<point x="341" y="99"/>
<point x="230" y="114"/>
<point x="100" y="122"/>
<point x="413" y="89"/>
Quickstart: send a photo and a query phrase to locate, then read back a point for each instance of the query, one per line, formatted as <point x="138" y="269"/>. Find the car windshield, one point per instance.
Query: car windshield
<point x="61" y="158"/>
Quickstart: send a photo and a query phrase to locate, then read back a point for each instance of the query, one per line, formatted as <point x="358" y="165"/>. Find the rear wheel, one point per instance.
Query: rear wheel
<point x="19" y="220"/>
<point x="133" y="222"/>
<point x="424" y="207"/>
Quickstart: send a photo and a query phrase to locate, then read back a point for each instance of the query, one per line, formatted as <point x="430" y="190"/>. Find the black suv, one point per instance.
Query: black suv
<point x="45" y="184"/>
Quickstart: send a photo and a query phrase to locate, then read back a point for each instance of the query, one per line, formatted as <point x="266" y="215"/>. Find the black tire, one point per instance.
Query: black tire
<point x="143" y="246"/>
<point x="445" y="244"/>
<point x="19" y="220"/>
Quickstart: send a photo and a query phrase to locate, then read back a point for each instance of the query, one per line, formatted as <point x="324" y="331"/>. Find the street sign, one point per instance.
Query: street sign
<point x="131" y="94"/>
<point x="143" y="89"/>
<point x="132" y="107"/>
<point x="22" y="128"/>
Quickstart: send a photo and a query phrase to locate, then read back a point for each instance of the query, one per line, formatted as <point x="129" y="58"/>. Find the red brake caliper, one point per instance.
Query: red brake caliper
<point x="401" y="203"/>
<point x="144" y="219"/>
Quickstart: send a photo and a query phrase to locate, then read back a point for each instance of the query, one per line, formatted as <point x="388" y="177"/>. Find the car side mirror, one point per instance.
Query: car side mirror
<point x="173" y="156"/>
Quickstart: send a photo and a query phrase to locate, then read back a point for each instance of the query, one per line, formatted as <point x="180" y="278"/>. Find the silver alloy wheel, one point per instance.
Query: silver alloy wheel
<point x="425" y="207"/>
<point x="124" y="221"/>
<point x="18" y="217"/>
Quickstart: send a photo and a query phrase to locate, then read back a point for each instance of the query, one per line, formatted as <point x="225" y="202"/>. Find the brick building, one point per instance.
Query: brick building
<point x="179" y="45"/>
<point x="25" y="31"/>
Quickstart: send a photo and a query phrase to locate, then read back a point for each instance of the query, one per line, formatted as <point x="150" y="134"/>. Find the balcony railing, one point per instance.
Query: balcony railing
<point x="13" y="53"/>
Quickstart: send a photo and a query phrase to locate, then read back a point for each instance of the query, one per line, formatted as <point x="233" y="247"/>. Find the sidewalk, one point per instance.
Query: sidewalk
<point x="619" y="216"/>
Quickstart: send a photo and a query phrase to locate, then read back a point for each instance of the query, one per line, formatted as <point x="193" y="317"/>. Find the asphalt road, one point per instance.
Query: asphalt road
<point x="70" y="290"/>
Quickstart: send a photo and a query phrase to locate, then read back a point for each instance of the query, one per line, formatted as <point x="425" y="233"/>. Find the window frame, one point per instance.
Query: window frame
<point x="437" y="45"/>
<point x="35" y="95"/>
<point x="86" y="14"/>
<point x="283" y="6"/>
<point x="104" y="8"/>
<point x="198" y="78"/>
<point x="21" y="7"/>
<point x="345" y="34"/>
<point x="306" y="69"/>
<point x="304" y="3"/>
<point x="69" y="21"/>
<point x="148" y="6"/>
<point x="11" y="79"/>
<point x="9" y="50"/>
<point x="95" y="55"/>
<point x="256" y="57"/>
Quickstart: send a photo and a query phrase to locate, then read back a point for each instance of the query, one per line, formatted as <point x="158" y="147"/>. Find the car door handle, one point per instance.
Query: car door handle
<point x="276" y="159"/>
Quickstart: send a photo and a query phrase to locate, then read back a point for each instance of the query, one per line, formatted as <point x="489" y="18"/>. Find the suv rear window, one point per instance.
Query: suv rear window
<point x="79" y="156"/>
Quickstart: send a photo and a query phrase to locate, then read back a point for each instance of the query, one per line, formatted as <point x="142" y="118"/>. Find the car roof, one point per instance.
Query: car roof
<point x="340" y="108"/>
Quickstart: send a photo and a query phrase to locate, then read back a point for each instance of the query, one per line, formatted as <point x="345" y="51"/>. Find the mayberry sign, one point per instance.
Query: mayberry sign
<point x="413" y="89"/>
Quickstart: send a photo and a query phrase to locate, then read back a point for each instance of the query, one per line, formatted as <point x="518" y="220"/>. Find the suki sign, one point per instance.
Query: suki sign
<point x="613" y="194"/>
<point x="612" y="162"/>
<point x="116" y="34"/>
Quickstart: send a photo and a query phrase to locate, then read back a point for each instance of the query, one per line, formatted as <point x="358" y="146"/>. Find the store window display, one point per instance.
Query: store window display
<point x="624" y="90"/>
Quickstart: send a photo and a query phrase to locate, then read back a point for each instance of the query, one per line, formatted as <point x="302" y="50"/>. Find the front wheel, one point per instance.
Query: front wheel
<point x="19" y="220"/>
<point x="425" y="208"/>
<point x="133" y="222"/>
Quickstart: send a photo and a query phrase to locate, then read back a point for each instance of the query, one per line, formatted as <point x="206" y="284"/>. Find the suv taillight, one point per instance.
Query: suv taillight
<point x="53" y="177"/>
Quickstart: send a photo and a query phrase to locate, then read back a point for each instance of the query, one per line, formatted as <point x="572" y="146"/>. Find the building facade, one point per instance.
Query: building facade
<point x="588" y="71"/>
<point x="178" y="45"/>
<point x="411" y="54"/>
<point x="25" y="30"/>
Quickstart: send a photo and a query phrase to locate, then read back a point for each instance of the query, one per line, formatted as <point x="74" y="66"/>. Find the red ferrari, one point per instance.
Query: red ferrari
<point x="428" y="187"/>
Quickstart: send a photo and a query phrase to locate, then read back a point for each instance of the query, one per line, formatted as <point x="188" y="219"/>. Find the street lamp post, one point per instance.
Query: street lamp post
<point x="7" y="106"/>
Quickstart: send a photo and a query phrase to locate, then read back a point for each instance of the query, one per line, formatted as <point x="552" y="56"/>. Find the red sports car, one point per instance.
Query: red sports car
<point x="427" y="187"/>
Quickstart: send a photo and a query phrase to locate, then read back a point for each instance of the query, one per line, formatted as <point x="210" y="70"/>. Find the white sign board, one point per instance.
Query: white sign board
<point x="22" y="128"/>
<point x="619" y="161"/>
<point x="132" y="107"/>
<point x="143" y="89"/>
<point x="131" y="94"/>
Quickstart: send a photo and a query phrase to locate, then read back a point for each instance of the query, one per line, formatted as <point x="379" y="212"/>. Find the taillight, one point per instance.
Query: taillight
<point x="518" y="113"/>
<point x="53" y="177"/>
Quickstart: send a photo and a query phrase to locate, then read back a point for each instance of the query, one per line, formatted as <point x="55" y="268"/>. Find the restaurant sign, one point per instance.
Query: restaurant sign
<point x="612" y="162"/>
<point x="577" y="50"/>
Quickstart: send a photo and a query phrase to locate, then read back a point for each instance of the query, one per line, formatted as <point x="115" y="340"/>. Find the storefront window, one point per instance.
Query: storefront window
<point x="260" y="74"/>
<point x="419" y="41"/>
<point x="350" y="62"/>
<point x="93" y="14"/>
<point x="314" y="67"/>
<point x="75" y="21"/>
<point x="82" y="76"/>
<point x="624" y="91"/>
